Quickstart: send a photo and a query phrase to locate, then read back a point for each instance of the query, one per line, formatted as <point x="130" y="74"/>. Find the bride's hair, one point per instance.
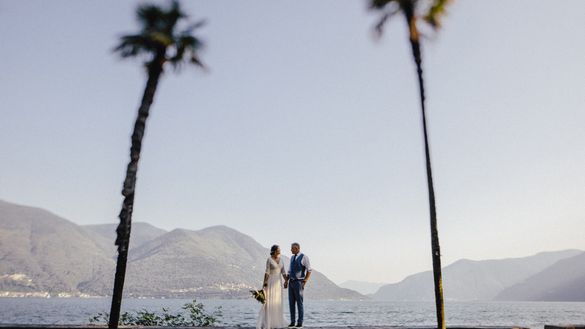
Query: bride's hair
<point x="273" y="249"/>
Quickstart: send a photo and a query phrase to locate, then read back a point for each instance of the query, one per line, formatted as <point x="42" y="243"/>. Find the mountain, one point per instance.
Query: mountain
<point x="562" y="281"/>
<point x="216" y="261"/>
<point x="472" y="280"/>
<point x="40" y="251"/>
<point x="105" y="235"/>
<point x="43" y="253"/>
<point x="363" y="287"/>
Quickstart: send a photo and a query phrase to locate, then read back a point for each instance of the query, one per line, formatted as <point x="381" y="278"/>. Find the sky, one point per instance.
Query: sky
<point x="306" y="128"/>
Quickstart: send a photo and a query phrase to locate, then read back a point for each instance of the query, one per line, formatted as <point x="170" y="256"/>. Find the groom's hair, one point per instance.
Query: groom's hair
<point x="295" y="244"/>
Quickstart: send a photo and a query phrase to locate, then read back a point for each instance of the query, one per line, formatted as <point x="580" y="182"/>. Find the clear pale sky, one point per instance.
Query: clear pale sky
<point x="307" y="129"/>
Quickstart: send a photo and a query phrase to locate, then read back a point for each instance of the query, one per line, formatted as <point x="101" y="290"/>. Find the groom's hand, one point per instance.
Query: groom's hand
<point x="285" y="285"/>
<point x="303" y="284"/>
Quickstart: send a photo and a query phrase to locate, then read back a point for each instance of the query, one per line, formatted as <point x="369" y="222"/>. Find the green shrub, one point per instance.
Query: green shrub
<point x="193" y="315"/>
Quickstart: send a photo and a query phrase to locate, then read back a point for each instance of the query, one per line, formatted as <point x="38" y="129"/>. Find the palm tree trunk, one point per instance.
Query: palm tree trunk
<point x="436" y="250"/>
<point x="123" y="230"/>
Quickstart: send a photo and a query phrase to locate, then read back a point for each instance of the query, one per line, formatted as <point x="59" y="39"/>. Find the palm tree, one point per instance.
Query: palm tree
<point x="159" y="43"/>
<point x="410" y="9"/>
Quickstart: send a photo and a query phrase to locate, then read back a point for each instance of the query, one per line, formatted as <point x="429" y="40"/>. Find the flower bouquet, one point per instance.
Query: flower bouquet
<point x="259" y="295"/>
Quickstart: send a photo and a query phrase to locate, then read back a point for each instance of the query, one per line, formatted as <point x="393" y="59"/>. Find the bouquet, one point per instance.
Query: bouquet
<point x="259" y="295"/>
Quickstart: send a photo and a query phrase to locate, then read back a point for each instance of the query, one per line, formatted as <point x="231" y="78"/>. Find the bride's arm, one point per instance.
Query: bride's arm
<point x="283" y="272"/>
<point x="266" y="274"/>
<point x="265" y="280"/>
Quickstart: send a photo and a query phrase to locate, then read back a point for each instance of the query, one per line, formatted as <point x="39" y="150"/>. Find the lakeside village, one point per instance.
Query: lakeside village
<point x="23" y="280"/>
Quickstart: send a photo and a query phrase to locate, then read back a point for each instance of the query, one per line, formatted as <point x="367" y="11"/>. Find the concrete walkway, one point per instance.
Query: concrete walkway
<point x="32" y="326"/>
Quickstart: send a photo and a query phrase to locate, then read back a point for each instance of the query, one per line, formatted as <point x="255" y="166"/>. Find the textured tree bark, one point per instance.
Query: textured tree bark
<point x="435" y="248"/>
<point x="123" y="230"/>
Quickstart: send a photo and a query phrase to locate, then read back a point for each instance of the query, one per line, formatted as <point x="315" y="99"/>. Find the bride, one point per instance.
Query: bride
<point x="271" y="314"/>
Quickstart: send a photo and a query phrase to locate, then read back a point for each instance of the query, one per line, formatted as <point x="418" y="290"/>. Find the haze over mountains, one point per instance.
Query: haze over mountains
<point x="363" y="287"/>
<point x="564" y="280"/>
<point x="42" y="254"/>
<point x="531" y="278"/>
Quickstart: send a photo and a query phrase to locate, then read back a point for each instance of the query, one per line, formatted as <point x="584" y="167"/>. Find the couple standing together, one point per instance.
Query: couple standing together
<point x="275" y="278"/>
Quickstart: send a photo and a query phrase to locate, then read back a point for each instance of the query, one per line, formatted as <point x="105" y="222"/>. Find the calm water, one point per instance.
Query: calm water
<point x="317" y="313"/>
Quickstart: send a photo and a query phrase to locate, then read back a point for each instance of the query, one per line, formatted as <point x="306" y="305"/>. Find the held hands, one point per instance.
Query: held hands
<point x="286" y="277"/>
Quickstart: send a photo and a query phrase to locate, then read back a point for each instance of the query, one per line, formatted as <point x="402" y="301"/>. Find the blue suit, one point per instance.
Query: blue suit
<point x="297" y="274"/>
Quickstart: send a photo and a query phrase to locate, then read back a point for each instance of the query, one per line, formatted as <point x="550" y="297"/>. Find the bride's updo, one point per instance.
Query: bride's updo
<point x="273" y="249"/>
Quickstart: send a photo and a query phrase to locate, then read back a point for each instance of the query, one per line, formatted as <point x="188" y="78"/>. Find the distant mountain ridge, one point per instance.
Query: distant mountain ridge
<point x="363" y="287"/>
<point x="42" y="253"/>
<point x="104" y="234"/>
<point x="563" y="281"/>
<point x="468" y="280"/>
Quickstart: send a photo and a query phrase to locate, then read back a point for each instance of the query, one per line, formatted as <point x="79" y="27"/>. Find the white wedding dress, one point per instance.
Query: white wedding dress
<point x="271" y="314"/>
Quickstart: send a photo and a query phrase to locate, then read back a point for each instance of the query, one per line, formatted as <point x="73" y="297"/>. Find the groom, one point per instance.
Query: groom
<point x="299" y="273"/>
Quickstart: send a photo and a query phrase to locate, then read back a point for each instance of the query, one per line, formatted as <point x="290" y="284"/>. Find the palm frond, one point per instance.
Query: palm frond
<point x="429" y="11"/>
<point x="149" y="16"/>
<point x="196" y="61"/>
<point x="379" y="27"/>
<point x="187" y="48"/>
<point x="436" y="12"/>
<point x="132" y="45"/>
<point x="195" y="26"/>
<point x="172" y="16"/>
<point x="158" y="37"/>
<point x="388" y="8"/>
<point x="381" y="4"/>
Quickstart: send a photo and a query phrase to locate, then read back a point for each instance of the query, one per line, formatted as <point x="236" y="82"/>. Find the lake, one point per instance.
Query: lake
<point x="317" y="313"/>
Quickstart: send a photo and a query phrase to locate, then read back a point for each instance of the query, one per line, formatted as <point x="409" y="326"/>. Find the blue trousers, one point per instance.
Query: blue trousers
<point x="295" y="297"/>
